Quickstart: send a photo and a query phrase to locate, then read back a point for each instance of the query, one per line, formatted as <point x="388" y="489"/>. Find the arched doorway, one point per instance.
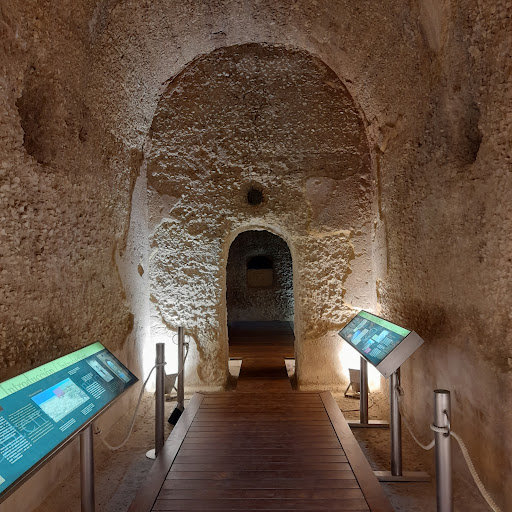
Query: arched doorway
<point x="260" y="310"/>
<point x="267" y="136"/>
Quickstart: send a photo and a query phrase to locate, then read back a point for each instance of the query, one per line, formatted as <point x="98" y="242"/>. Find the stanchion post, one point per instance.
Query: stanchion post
<point x="363" y="392"/>
<point x="159" y="398"/>
<point x="442" y="414"/>
<point x="396" y="425"/>
<point x="181" y="370"/>
<point x="88" y="502"/>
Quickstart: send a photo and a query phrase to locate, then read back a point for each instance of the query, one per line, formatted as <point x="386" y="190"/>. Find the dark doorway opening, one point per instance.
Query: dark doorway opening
<point x="260" y="306"/>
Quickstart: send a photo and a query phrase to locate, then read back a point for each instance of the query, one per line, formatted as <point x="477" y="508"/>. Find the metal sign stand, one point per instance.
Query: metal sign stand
<point x="159" y="402"/>
<point x="363" y="421"/>
<point x="181" y="374"/>
<point x="88" y="502"/>
<point x="396" y="474"/>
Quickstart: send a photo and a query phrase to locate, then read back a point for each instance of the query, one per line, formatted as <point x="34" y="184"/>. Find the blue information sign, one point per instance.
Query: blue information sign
<point x="382" y="343"/>
<point x="42" y="408"/>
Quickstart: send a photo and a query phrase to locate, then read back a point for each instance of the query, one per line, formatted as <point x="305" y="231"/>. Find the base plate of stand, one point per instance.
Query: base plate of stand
<point x="406" y="476"/>
<point x="370" y="424"/>
<point x="151" y="454"/>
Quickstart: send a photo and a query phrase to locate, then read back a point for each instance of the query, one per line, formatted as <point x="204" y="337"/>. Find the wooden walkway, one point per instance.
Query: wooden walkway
<point x="268" y="449"/>
<point x="263" y="347"/>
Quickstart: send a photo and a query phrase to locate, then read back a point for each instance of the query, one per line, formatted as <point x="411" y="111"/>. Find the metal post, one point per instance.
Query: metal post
<point x="181" y="371"/>
<point x="159" y="398"/>
<point x="442" y="414"/>
<point x="87" y="470"/>
<point x="364" y="421"/>
<point x="396" y="474"/>
<point x="396" y="425"/>
<point x="363" y="393"/>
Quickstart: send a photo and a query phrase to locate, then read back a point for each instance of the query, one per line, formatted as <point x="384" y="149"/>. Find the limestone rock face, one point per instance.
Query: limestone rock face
<point x="378" y="132"/>
<point x="279" y="120"/>
<point x="65" y="195"/>
<point x="446" y="206"/>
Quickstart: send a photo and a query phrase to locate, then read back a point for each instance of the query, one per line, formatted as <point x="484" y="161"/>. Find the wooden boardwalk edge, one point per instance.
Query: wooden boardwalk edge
<point x="368" y="482"/>
<point x="157" y="489"/>
<point x="148" y="493"/>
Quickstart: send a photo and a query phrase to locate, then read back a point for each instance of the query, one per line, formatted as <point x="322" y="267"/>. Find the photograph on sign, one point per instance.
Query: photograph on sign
<point x="42" y="408"/>
<point x="61" y="399"/>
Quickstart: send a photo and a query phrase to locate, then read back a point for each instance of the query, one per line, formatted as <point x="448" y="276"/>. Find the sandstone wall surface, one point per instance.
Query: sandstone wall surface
<point x="446" y="186"/>
<point x="80" y="85"/>
<point x="280" y="120"/>
<point x="66" y="184"/>
<point x="66" y="189"/>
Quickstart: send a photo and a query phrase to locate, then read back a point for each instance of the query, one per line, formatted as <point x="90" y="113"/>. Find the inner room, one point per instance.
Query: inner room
<point x="259" y="300"/>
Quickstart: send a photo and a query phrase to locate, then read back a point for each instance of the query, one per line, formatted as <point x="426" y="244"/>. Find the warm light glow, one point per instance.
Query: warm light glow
<point x="160" y="334"/>
<point x="350" y="358"/>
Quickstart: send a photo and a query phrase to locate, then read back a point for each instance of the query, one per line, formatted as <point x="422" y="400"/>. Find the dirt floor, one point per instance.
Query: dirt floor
<point x="120" y="474"/>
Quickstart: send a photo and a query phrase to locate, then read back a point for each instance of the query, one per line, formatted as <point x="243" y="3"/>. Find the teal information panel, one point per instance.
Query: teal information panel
<point x="40" y="409"/>
<point x="373" y="337"/>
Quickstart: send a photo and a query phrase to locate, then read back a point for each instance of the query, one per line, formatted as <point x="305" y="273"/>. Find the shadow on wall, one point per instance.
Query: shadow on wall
<point x="259" y="278"/>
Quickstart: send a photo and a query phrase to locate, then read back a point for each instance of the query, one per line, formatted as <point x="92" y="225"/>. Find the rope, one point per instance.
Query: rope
<point x="187" y="346"/>
<point x="425" y="447"/>
<point x="483" y="491"/>
<point x="98" y="431"/>
<point x="448" y="432"/>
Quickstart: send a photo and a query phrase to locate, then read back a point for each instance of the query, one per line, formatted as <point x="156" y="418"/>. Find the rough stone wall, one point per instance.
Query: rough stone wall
<point x="433" y="80"/>
<point x="278" y="119"/>
<point x="248" y="303"/>
<point x="65" y="204"/>
<point x="446" y="185"/>
<point x="65" y="192"/>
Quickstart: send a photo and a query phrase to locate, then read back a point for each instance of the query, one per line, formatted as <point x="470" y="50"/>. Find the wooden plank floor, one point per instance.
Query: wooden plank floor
<point x="263" y="347"/>
<point x="262" y="447"/>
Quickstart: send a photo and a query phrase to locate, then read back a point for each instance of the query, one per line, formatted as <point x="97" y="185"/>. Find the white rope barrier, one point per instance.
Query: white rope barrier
<point x="426" y="447"/>
<point x="98" y="431"/>
<point x="446" y="431"/>
<point x="483" y="491"/>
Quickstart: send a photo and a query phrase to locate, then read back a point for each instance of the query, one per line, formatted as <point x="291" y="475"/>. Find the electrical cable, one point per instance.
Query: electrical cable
<point x="98" y="431"/>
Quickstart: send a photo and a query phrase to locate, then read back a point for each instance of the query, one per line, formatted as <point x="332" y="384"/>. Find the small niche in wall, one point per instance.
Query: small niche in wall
<point x="260" y="272"/>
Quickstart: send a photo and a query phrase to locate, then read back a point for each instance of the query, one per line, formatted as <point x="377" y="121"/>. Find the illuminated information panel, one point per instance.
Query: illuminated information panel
<point x="41" y="409"/>
<point x="383" y="344"/>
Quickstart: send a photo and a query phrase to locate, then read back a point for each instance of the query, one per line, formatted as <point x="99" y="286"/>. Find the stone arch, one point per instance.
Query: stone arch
<point x="277" y="118"/>
<point x="165" y="46"/>
<point x="283" y="235"/>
